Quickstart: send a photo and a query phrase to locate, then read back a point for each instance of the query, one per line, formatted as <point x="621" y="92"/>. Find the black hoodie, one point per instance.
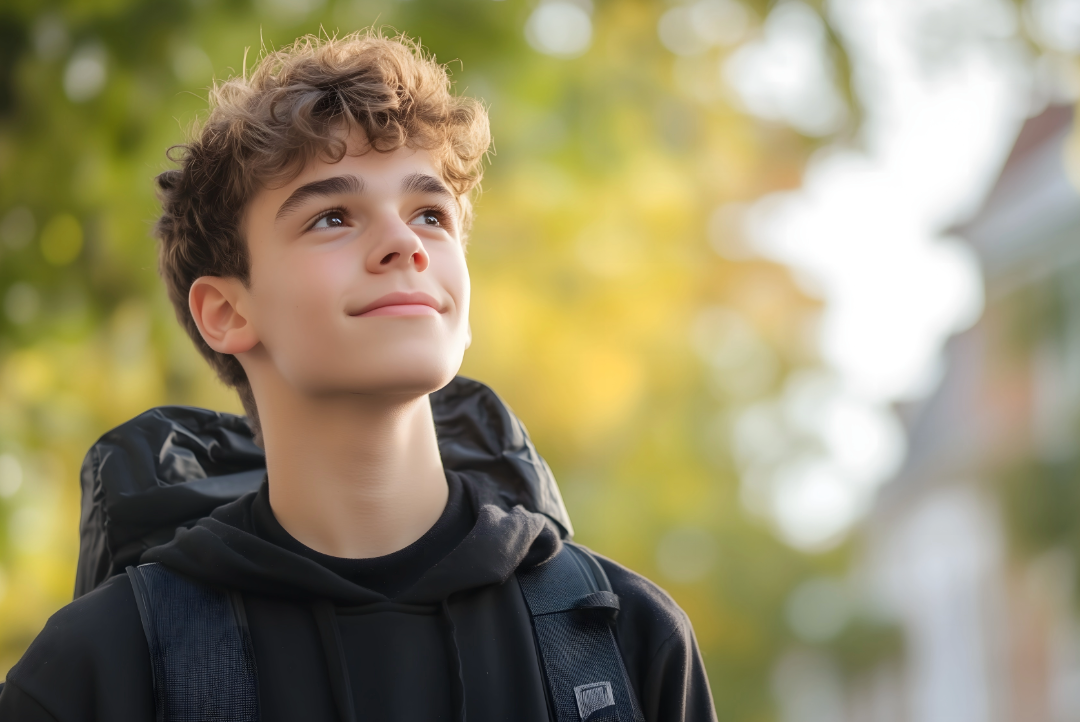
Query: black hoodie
<point x="436" y="631"/>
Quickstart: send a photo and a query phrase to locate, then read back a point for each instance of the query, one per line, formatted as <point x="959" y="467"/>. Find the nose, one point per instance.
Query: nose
<point x="398" y="247"/>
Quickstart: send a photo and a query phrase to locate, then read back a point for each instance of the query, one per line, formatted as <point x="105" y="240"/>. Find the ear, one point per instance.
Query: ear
<point x="468" y="335"/>
<point x="215" y="305"/>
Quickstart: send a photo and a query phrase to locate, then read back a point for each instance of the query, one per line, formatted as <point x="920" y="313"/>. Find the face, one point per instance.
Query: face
<point x="358" y="280"/>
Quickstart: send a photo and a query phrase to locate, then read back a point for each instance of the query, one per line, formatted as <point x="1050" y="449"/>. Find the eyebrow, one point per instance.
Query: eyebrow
<point x="337" y="185"/>
<point x="424" y="183"/>
<point x="350" y="184"/>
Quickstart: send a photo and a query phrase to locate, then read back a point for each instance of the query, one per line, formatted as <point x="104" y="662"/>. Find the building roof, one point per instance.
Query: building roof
<point x="1029" y="224"/>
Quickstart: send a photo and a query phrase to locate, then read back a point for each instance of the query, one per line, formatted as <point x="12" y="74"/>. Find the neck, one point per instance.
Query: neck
<point x="354" y="477"/>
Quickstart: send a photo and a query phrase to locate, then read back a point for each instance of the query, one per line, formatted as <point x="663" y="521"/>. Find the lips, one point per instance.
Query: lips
<point x="400" y="304"/>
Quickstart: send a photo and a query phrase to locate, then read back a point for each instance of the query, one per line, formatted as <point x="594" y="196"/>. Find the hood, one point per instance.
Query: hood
<point x="225" y="550"/>
<point x="173" y="466"/>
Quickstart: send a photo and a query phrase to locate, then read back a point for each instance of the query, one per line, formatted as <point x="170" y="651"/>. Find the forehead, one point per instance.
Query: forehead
<point x="378" y="169"/>
<point x="374" y="167"/>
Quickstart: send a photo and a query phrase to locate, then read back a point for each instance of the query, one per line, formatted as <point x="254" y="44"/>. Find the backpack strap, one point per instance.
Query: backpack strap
<point x="201" y="657"/>
<point x="572" y="606"/>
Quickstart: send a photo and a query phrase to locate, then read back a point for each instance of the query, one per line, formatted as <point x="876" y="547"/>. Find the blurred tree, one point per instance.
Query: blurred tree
<point x="613" y="307"/>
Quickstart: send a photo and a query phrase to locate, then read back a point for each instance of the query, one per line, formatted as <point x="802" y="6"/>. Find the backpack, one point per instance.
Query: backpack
<point x="173" y="465"/>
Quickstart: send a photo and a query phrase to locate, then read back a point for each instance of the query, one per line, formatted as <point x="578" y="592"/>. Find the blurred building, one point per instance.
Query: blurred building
<point x="988" y="610"/>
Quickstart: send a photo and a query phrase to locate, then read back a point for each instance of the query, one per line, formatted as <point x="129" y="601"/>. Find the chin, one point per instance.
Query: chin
<point x="416" y="381"/>
<point x="388" y="374"/>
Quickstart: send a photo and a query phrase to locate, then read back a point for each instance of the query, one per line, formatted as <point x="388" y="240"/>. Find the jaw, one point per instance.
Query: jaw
<point x="403" y="357"/>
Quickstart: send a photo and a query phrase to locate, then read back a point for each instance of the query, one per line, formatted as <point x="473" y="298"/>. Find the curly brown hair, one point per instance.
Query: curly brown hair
<point x="267" y="124"/>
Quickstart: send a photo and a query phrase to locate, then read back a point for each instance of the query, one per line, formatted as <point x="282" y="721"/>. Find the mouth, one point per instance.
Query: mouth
<point x="400" y="304"/>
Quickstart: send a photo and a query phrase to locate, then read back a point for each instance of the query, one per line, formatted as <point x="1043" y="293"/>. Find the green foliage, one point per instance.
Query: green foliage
<point x="1041" y="503"/>
<point x="1040" y="495"/>
<point x="865" y="644"/>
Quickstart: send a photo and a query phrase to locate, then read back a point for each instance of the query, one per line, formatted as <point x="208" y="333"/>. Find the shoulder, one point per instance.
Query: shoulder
<point x="658" y="647"/>
<point x="87" y="627"/>
<point x="90" y="654"/>
<point x="648" y="618"/>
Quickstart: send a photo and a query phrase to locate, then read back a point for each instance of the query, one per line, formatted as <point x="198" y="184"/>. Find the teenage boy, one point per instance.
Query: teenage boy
<point x="312" y="242"/>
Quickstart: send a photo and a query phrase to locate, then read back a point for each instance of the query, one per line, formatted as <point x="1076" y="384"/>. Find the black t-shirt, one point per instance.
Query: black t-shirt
<point x="390" y="574"/>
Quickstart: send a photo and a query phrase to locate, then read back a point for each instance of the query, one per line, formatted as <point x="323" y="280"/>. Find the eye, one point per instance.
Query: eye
<point x="427" y="218"/>
<point x="331" y="219"/>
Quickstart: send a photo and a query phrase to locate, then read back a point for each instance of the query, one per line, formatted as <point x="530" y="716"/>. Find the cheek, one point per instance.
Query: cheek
<point x="302" y="289"/>
<point x="454" y="277"/>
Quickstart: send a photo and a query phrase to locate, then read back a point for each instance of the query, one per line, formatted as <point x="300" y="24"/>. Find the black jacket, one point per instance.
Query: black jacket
<point x="458" y="637"/>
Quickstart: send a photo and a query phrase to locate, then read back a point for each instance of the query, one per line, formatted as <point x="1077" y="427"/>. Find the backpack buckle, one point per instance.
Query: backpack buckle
<point x="596" y="703"/>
